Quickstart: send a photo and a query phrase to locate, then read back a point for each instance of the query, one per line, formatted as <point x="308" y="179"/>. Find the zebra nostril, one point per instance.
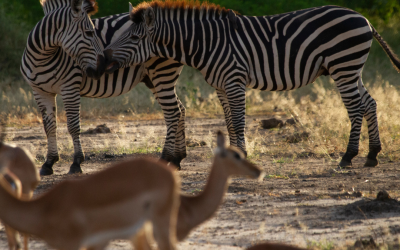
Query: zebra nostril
<point x="108" y="53"/>
<point x="101" y="64"/>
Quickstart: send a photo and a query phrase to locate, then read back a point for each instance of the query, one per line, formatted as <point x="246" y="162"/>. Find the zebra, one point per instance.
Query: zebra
<point x="270" y="53"/>
<point x="58" y="59"/>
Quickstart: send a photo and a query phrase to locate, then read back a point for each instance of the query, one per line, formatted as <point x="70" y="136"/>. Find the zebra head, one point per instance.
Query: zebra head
<point x="132" y="47"/>
<point x="78" y="38"/>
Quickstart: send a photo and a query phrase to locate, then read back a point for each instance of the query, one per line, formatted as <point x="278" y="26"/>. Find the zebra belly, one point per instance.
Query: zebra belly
<point x="116" y="84"/>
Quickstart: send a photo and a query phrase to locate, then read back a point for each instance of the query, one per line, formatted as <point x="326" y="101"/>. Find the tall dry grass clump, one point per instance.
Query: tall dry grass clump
<point x="323" y="116"/>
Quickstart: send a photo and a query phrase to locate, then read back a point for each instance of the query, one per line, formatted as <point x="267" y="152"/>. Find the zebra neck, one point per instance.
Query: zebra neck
<point x="192" y="42"/>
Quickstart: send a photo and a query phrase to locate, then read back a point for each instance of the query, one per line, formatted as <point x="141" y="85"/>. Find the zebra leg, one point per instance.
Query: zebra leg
<point x="228" y="117"/>
<point x="236" y="95"/>
<point x="372" y="121"/>
<point x="169" y="105"/>
<point x="72" y="104"/>
<point x="47" y="106"/>
<point x="180" y="138"/>
<point x="355" y="108"/>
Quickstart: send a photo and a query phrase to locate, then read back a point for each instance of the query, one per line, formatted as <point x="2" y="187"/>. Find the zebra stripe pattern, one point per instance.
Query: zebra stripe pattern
<point x="274" y="53"/>
<point x="50" y="70"/>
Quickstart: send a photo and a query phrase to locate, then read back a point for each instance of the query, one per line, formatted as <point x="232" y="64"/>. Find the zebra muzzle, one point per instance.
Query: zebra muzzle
<point x="97" y="72"/>
<point x="111" y="67"/>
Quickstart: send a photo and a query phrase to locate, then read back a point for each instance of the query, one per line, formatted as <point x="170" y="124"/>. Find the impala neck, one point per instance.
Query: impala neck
<point x="23" y="216"/>
<point x="195" y="210"/>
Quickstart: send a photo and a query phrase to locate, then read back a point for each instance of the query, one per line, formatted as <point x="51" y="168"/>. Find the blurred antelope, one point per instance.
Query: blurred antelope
<point x="21" y="178"/>
<point x="273" y="246"/>
<point x="193" y="211"/>
<point x="112" y="204"/>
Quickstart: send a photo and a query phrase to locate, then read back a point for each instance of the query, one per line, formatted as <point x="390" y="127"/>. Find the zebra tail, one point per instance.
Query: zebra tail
<point x="393" y="57"/>
<point x="2" y="134"/>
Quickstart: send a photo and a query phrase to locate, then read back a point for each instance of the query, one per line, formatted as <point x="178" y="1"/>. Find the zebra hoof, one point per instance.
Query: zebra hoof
<point x="46" y="170"/>
<point x="345" y="164"/>
<point x="371" y="163"/>
<point x="176" y="164"/>
<point x="75" y="169"/>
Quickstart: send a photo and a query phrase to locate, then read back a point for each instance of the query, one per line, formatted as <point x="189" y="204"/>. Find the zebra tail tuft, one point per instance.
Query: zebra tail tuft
<point x="2" y="134"/>
<point x="393" y="57"/>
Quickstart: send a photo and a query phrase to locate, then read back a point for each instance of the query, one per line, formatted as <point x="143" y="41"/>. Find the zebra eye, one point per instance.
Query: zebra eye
<point x="89" y="33"/>
<point x="135" y="37"/>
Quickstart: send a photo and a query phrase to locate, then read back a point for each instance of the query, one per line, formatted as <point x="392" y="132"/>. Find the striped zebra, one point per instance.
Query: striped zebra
<point x="65" y="43"/>
<point x="274" y="53"/>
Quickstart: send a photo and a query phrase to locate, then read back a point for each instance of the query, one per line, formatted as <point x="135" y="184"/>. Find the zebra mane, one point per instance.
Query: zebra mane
<point x="50" y="5"/>
<point x="213" y="10"/>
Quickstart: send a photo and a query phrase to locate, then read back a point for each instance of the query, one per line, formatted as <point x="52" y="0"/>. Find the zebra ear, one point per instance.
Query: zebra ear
<point x="90" y="6"/>
<point x="131" y="9"/>
<point x="76" y="6"/>
<point x="149" y="17"/>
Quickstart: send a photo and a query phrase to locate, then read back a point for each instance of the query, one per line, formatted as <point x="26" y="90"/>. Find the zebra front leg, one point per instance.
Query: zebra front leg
<point x="228" y="116"/>
<point x="355" y="108"/>
<point x="180" y="138"/>
<point x="166" y="98"/>
<point x="372" y="121"/>
<point x="236" y="95"/>
<point x="72" y="104"/>
<point x="47" y="106"/>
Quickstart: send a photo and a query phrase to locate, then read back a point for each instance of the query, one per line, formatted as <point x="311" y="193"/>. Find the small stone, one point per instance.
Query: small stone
<point x="383" y="195"/>
<point x="358" y="244"/>
<point x="109" y="156"/>
<point x="358" y="194"/>
<point x="297" y="137"/>
<point x="290" y="121"/>
<point x="271" y="123"/>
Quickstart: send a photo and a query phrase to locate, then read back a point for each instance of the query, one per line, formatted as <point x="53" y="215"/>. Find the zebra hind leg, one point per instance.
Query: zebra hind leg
<point x="72" y="104"/>
<point x="47" y="106"/>
<point x="180" y="137"/>
<point x="355" y="108"/>
<point x="236" y="96"/>
<point x="373" y="130"/>
<point x="228" y="117"/>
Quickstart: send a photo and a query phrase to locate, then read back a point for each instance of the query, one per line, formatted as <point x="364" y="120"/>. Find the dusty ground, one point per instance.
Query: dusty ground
<point x="303" y="200"/>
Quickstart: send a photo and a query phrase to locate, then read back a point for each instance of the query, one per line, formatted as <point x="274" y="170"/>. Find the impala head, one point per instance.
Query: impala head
<point x="132" y="47"/>
<point x="76" y="34"/>
<point x="233" y="160"/>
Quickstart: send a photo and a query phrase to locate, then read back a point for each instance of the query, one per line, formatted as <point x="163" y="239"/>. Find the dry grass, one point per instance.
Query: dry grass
<point x="325" y="119"/>
<point x="318" y="107"/>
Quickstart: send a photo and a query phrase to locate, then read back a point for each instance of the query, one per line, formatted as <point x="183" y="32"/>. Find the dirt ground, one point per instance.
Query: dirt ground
<point x="305" y="201"/>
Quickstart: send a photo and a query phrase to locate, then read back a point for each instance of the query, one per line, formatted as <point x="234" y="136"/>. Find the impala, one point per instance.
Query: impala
<point x="22" y="178"/>
<point x="112" y="204"/>
<point x="195" y="210"/>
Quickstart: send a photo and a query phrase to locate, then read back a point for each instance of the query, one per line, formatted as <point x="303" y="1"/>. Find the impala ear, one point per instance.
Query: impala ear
<point x="220" y="140"/>
<point x="149" y="17"/>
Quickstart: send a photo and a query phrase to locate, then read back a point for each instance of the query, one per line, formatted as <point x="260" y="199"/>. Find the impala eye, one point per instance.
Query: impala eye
<point x="236" y="155"/>
<point x="89" y="33"/>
